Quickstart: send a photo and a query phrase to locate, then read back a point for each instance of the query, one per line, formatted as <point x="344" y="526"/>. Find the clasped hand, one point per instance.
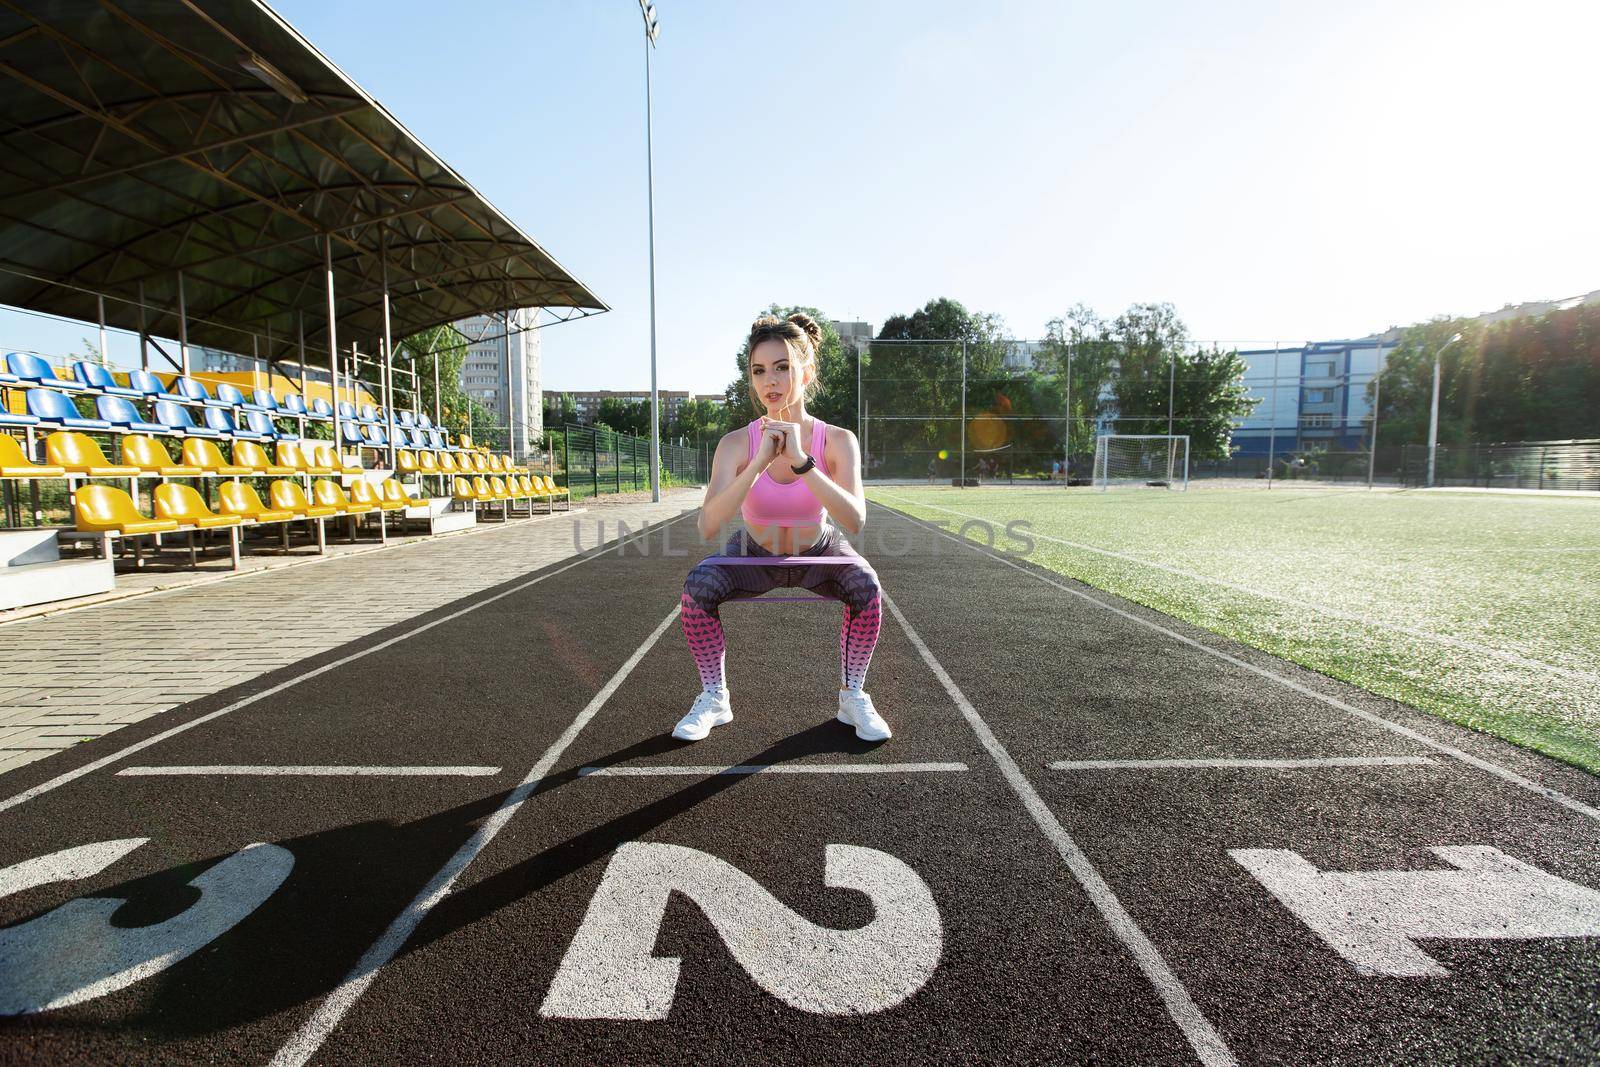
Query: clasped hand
<point x="780" y="439"/>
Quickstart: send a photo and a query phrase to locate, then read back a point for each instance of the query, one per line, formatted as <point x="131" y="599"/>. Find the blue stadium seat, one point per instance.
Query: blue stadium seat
<point x="320" y="408"/>
<point x="263" y="400"/>
<point x="423" y="420"/>
<point x="196" y="393"/>
<point x="175" y="417"/>
<point x="350" y="432"/>
<point x="120" y="412"/>
<point x="295" y="404"/>
<point x="416" y="438"/>
<point x="57" y="409"/>
<point x="436" y="439"/>
<point x="8" y="418"/>
<point x="230" y="395"/>
<point x="223" y="423"/>
<point x="370" y="415"/>
<point x="258" y="422"/>
<point x="94" y="376"/>
<point x="405" y="418"/>
<point x="33" y="369"/>
<point x="147" y="384"/>
<point x="347" y="412"/>
<point x="374" y="437"/>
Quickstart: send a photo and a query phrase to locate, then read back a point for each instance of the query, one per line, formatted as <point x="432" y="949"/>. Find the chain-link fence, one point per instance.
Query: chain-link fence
<point x="590" y="461"/>
<point x="1513" y="465"/>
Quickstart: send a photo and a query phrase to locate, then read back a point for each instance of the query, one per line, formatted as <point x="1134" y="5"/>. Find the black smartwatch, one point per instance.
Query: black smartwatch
<point x="811" y="461"/>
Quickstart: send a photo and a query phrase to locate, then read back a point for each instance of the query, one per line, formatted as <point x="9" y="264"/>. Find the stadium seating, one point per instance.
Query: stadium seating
<point x="14" y="462"/>
<point x="230" y="395"/>
<point x="320" y="409"/>
<point x="241" y="499"/>
<point x="374" y="437"/>
<point x="57" y="409"/>
<point x="295" y="404"/>
<point x="149" y="386"/>
<point x="288" y="496"/>
<point x="35" y="371"/>
<point x="176" y="418"/>
<point x="199" y="452"/>
<point x="406" y="461"/>
<point x="20" y="421"/>
<point x="364" y="492"/>
<point x="94" y="377"/>
<point x="264" y="400"/>
<point x="258" y="422"/>
<point x="350" y="433"/>
<point x="120" y="412"/>
<point x="330" y="495"/>
<point x="222" y="422"/>
<point x="447" y="464"/>
<point x="152" y="458"/>
<point x="436" y="439"/>
<point x="196" y="393"/>
<point x="107" y="509"/>
<point x="395" y="493"/>
<point x="336" y="461"/>
<point x="301" y="458"/>
<point x="249" y="454"/>
<point x="183" y="505"/>
<point x="80" y="456"/>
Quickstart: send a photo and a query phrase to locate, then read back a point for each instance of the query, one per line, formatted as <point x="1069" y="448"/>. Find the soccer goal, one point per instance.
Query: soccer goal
<point x="1158" y="460"/>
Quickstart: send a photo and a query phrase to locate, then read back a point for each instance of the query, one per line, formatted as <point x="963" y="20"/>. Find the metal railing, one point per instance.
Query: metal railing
<point x="590" y="461"/>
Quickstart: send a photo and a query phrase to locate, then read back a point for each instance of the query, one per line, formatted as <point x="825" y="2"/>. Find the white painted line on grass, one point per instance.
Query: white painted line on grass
<point x="89" y="768"/>
<point x="1321" y="609"/>
<point x="774" y="768"/>
<point x="1203" y="1037"/>
<point x="323" y="772"/>
<point x="1288" y="683"/>
<point x="1253" y="764"/>
<point x="305" y="1042"/>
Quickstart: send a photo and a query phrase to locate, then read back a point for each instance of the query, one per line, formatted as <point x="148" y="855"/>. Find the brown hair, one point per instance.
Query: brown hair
<point x="803" y="337"/>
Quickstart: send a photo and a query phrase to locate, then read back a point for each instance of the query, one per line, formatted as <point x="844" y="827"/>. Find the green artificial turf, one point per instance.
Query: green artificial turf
<point x="1483" y="609"/>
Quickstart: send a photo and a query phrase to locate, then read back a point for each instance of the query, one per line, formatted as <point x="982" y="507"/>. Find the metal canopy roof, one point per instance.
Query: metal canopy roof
<point x="141" y="138"/>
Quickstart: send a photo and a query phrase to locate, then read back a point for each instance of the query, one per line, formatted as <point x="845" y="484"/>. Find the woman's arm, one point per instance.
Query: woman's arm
<point x="728" y="486"/>
<point x="841" y="495"/>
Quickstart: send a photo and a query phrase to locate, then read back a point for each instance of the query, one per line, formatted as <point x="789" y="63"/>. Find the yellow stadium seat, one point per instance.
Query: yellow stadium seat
<point x="255" y="457"/>
<point x="364" y="492"/>
<point x="528" y="488"/>
<point x="464" y="490"/>
<point x="494" y="464"/>
<point x="427" y="464"/>
<point x="447" y="464"/>
<point x="183" y="505"/>
<point x="510" y="466"/>
<point x="106" y="509"/>
<point x="465" y="442"/>
<point x="241" y="499"/>
<point x="198" y="452"/>
<point x="14" y="462"/>
<point x="329" y="495"/>
<point x="300" y="459"/>
<point x="480" y="463"/>
<point x="152" y="457"/>
<point x="395" y="492"/>
<point x="337" y="461"/>
<point x="288" y="496"/>
<point x="78" y="454"/>
<point x="480" y="485"/>
<point x="406" y="460"/>
<point x="500" y="489"/>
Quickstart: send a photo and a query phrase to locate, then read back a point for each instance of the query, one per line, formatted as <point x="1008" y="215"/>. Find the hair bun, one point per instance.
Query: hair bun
<point x="809" y="325"/>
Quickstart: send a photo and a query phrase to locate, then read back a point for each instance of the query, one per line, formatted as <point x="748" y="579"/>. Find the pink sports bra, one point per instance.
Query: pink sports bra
<point x="773" y="503"/>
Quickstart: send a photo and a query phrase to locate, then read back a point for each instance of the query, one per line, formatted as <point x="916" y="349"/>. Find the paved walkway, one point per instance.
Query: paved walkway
<point x="79" y="675"/>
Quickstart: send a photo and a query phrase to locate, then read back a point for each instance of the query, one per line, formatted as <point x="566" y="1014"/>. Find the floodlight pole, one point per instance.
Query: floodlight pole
<point x="1377" y="393"/>
<point x="1066" y="448"/>
<point x="388" y="350"/>
<point x="333" y="342"/>
<point x="962" y="477"/>
<point x="1272" y="434"/>
<point x="1433" y="410"/>
<point x="652" y="30"/>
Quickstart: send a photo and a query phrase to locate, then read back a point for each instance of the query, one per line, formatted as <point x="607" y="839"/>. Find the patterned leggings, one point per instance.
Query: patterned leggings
<point x="856" y="584"/>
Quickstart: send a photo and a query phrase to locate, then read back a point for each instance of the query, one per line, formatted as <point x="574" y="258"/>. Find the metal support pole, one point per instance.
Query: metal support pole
<point x="144" y="334"/>
<point x="650" y="182"/>
<point x="100" y="301"/>
<point x="183" y="327"/>
<point x="1066" y="448"/>
<point x="438" y="410"/>
<point x="1433" y="420"/>
<point x="962" y="477"/>
<point x="1272" y="438"/>
<point x="1377" y="391"/>
<point x="388" y="353"/>
<point x="333" y="343"/>
<point x="300" y="321"/>
<point x="511" y="439"/>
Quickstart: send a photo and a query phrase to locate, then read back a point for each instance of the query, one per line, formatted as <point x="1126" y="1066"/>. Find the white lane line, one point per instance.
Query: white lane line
<point x="89" y="768"/>
<point x="1308" y="605"/>
<point x="774" y="768"/>
<point x="305" y="1042"/>
<point x="1288" y="683"/>
<point x="325" y="772"/>
<point x="1203" y="1037"/>
<point x="1265" y="764"/>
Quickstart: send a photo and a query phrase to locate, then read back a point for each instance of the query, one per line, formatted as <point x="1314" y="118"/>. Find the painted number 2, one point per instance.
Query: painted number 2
<point x="609" y="972"/>
<point x="73" y="953"/>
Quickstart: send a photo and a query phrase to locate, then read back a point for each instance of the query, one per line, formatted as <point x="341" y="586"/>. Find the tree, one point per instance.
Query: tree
<point x="1085" y="337"/>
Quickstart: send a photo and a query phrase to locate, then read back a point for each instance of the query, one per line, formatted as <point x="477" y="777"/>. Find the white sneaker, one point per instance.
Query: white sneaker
<point x="855" y="709"/>
<point x="711" y="708"/>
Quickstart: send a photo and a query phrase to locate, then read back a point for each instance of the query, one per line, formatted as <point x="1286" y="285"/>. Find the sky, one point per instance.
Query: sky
<point x="1278" y="172"/>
